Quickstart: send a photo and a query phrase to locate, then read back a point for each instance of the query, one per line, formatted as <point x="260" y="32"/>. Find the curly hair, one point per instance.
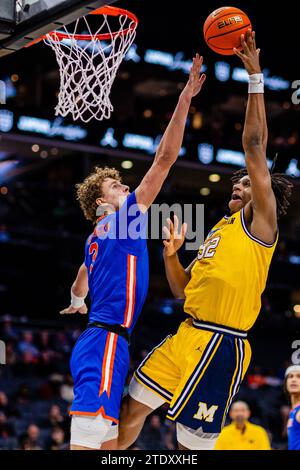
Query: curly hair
<point x="91" y="189"/>
<point x="281" y="185"/>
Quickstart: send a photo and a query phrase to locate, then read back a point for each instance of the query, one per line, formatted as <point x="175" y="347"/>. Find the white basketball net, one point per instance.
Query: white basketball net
<point x="88" y="67"/>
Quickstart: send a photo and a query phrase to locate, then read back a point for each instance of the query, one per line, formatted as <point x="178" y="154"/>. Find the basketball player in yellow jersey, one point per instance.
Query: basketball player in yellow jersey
<point x="198" y="371"/>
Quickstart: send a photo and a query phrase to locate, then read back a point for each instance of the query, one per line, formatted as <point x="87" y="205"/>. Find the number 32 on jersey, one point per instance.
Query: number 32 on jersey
<point x="208" y="249"/>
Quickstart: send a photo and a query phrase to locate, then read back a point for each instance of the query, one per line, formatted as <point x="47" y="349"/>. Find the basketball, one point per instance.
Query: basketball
<point x="223" y="28"/>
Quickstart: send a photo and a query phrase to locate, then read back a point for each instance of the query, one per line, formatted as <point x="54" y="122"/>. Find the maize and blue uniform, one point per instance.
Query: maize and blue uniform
<point x="116" y="258"/>
<point x="198" y="371"/>
<point x="293" y="428"/>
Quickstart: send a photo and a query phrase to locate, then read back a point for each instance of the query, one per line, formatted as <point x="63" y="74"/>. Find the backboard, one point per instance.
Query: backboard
<point x="22" y="21"/>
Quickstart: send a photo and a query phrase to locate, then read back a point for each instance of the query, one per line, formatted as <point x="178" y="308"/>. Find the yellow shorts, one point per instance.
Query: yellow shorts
<point x="197" y="371"/>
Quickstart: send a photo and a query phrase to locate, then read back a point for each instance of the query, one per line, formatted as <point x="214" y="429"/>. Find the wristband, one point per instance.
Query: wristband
<point x="256" y="83"/>
<point x="76" y="302"/>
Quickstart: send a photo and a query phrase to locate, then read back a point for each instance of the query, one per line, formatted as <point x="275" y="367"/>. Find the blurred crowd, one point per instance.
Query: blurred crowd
<point x="36" y="391"/>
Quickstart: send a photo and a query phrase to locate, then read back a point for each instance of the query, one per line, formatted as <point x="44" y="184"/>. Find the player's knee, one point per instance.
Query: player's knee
<point x="133" y="412"/>
<point x="195" y="439"/>
<point x="143" y="400"/>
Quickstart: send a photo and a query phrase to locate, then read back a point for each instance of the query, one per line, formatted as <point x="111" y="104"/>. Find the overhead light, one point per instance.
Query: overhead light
<point x="14" y="78"/>
<point x="127" y="164"/>
<point x="204" y="191"/>
<point x="4" y="190"/>
<point x="197" y="120"/>
<point x="163" y="92"/>
<point x="148" y="113"/>
<point x="214" y="178"/>
<point x="35" y="148"/>
<point x="124" y="75"/>
<point x="44" y="154"/>
<point x="292" y="140"/>
<point x="54" y="151"/>
<point x="297" y="310"/>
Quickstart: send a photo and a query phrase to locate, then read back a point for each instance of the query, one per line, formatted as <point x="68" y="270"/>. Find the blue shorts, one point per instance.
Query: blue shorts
<point x="99" y="367"/>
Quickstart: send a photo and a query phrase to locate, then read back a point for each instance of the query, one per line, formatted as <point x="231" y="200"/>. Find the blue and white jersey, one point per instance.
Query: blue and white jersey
<point x="294" y="430"/>
<point x="116" y="258"/>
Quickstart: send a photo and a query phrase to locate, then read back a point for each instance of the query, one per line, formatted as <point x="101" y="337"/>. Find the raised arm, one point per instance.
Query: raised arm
<point x="177" y="276"/>
<point x="255" y="136"/>
<point x="79" y="291"/>
<point x="170" y="145"/>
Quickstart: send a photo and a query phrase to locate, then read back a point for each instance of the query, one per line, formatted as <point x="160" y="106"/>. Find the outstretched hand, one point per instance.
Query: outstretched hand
<point x="196" y="80"/>
<point x="71" y="310"/>
<point x="175" y="238"/>
<point x="250" y="55"/>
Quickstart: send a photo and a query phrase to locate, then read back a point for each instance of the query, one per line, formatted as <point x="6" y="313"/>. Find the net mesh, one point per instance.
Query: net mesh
<point x="88" y="67"/>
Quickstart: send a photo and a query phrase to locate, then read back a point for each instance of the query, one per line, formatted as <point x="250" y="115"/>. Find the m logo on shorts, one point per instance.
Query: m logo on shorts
<point x="204" y="414"/>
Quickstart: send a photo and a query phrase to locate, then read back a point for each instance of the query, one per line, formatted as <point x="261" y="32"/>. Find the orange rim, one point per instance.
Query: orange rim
<point x="107" y="10"/>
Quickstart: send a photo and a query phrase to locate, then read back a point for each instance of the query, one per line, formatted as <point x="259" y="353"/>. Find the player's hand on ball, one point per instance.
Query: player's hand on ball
<point x="195" y="81"/>
<point x="70" y="310"/>
<point x="250" y="55"/>
<point x="175" y="238"/>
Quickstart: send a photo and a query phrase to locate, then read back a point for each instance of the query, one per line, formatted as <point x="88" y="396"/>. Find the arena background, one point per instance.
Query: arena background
<point x="42" y="230"/>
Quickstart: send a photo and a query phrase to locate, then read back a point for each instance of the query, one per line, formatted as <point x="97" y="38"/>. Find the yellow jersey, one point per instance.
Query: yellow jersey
<point x="229" y="276"/>
<point x="253" y="437"/>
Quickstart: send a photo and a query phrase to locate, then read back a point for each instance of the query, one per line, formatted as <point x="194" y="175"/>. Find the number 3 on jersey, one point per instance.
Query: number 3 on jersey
<point x="93" y="250"/>
<point x="208" y="249"/>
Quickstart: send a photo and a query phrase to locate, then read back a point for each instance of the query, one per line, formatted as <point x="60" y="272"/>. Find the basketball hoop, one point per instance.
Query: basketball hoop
<point x="88" y="62"/>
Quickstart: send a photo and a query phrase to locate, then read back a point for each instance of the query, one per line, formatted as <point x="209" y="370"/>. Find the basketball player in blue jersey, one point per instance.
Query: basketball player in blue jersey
<point x="292" y="388"/>
<point x="115" y="272"/>
<point x="199" y="370"/>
